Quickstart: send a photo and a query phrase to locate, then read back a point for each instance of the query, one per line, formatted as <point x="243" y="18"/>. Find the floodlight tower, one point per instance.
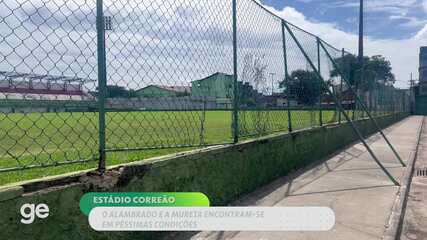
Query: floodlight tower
<point x="361" y="50"/>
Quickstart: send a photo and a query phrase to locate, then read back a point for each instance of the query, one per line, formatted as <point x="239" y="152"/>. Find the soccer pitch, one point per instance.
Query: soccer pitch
<point x="47" y="138"/>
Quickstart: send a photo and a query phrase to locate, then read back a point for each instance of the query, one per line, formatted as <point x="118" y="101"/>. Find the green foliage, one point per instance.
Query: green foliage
<point x="305" y="86"/>
<point x="377" y="71"/>
<point x="114" y="91"/>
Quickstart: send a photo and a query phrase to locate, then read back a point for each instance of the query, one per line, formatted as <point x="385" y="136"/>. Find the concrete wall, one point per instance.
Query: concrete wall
<point x="44" y="106"/>
<point x="163" y="103"/>
<point x="421" y="105"/>
<point x="223" y="173"/>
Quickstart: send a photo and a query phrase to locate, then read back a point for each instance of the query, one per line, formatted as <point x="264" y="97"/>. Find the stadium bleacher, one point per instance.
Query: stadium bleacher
<point x="26" y="86"/>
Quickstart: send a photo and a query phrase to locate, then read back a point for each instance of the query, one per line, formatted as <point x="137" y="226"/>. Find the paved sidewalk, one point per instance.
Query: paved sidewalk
<point x="415" y="221"/>
<point x="350" y="183"/>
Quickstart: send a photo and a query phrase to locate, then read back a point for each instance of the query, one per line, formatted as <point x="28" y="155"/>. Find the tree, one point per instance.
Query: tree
<point x="305" y="85"/>
<point x="382" y="69"/>
<point x="114" y="91"/>
<point x="254" y="73"/>
<point x="377" y="70"/>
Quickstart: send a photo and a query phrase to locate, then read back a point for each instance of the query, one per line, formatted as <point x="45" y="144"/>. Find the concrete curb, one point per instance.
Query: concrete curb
<point x="394" y="227"/>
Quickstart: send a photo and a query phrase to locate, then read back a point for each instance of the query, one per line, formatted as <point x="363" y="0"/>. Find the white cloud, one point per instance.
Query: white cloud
<point x="403" y="53"/>
<point x="379" y="5"/>
<point x="409" y="21"/>
<point x="407" y="12"/>
<point x="179" y="39"/>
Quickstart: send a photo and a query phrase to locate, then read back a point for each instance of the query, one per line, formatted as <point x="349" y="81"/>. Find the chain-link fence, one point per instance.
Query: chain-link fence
<point x="81" y="81"/>
<point x="48" y="68"/>
<point x="377" y="94"/>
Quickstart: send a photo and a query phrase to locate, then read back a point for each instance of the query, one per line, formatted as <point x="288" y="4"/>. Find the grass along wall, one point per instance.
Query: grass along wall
<point x="223" y="173"/>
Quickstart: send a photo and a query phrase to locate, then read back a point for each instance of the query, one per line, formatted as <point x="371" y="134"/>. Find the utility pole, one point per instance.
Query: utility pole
<point x="361" y="32"/>
<point x="361" y="39"/>
<point x="361" y="51"/>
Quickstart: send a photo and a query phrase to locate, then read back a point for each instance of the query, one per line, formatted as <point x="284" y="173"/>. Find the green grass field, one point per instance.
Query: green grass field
<point x="48" y="138"/>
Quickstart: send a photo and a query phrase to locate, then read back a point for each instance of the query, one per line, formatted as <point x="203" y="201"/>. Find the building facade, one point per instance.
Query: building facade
<point x="157" y="91"/>
<point x="423" y="71"/>
<point x="218" y="86"/>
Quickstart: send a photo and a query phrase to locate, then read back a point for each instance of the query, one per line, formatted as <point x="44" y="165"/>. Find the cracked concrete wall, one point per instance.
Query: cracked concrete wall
<point x="223" y="173"/>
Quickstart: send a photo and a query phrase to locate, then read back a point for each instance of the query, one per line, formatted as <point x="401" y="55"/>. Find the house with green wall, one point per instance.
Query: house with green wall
<point x="218" y="86"/>
<point x="158" y="91"/>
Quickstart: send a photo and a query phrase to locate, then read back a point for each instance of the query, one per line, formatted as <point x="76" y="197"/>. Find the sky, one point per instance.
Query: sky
<point x="393" y="28"/>
<point x="174" y="42"/>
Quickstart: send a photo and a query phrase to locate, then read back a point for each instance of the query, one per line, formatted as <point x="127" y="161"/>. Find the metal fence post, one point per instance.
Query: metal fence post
<point x="341" y="85"/>
<point x="375" y="102"/>
<point x="353" y="126"/>
<point x="235" y="83"/>
<point x="321" y="86"/>
<point x="102" y="82"/>
<point x="393" y="94"/>
<point x="288" y="90"/>
<point x="403" y="106"/>
<point x="364" y="108"/>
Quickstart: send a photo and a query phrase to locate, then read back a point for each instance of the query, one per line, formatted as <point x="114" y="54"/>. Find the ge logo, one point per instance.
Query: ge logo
<point x="30" y="211"/>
